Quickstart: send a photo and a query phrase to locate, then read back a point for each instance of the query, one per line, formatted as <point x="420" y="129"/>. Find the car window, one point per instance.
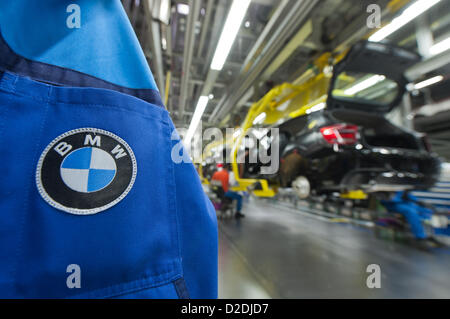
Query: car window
<point x="365" y="88"/>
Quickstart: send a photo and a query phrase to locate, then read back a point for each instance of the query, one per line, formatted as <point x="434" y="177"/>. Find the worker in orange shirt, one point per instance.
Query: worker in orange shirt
<point x="226" y="178"/>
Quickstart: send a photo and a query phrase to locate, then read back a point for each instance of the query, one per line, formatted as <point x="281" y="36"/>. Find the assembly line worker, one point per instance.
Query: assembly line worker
<point x="414" y="213"/>
<point x="226" y="178"/>
<point x="93" y="204"/>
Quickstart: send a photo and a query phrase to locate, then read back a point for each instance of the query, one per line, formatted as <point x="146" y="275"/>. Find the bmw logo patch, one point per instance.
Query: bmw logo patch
<point x="86" y="171"/>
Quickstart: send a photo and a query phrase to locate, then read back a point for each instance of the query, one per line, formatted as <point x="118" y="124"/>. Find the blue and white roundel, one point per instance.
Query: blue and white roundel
<point x="88" y="169"/>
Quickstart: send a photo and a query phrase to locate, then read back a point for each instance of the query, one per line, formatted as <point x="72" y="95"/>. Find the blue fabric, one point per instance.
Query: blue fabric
<point x="413" y="212"/>
<point x="163" y="230"/>
<point x="105" y="46"/>
<point x="237" y="197"/>
<point x="198" y="231"/>
<point x="168" y="291"/>
<point x="414" y="215"/>
<point x="11" y="61"/>
<point x="442" y="231"/>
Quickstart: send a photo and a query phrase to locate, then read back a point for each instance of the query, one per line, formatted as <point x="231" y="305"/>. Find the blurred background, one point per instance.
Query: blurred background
<point x="336" y="205"/>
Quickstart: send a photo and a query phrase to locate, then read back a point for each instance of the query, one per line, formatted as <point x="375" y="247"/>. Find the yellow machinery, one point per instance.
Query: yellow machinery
<point x="359" y="194"/>
<point x="203" y="179"/>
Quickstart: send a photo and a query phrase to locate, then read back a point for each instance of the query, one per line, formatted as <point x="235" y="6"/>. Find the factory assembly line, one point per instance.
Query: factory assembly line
<point x="344" y="165"/>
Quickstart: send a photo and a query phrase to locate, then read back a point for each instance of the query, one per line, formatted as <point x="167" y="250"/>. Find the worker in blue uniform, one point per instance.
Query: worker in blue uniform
<point x="93" y="204"/>
<point x="414" y="212"/>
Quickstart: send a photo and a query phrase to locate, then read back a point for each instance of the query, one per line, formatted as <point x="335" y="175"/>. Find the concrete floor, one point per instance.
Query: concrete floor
<point x="277" y="252"/>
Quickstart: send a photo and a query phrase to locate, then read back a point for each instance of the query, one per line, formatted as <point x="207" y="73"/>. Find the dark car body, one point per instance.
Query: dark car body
<point x="351" y="145"/>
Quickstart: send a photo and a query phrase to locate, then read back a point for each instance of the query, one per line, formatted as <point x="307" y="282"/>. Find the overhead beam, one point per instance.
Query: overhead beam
<point x="289" y="25"/>
<point x="177" y="81"/>
<point x="212" y="75"/>
<point x="218" y="23"/>
<point x="424" y="35"/>
<point x="265" y="2"/>
<point x="154" y="39"/>
<point x="358" y="28"/>
<point x="205" y="26"/>
<point x="428" y="65"/>
<point x="290" y="48"/>
<point x="189" y="39"/>
<point x="273" y="19"/>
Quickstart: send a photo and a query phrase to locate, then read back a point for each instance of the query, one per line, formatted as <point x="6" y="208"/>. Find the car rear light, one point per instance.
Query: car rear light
<point x="341" y="134"/>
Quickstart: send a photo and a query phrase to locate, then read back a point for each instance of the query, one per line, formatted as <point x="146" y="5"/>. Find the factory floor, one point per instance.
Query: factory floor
<point x="276" y="252"/>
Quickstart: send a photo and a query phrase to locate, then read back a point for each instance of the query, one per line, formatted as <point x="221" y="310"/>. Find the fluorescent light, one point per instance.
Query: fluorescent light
<point x="199" y="110"/>
<point x="428" y="82"/>
<point x="364" y="84"/>
<point x="316" y="108"/>
<point x="410" y="13"/>
<point x="183" y="9"/>
<point x="440" y="47"/>
<point x="229" y="33"/>
<point x="260" y="119"/>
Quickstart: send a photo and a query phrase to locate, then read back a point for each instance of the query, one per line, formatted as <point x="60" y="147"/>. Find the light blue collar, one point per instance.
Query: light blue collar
<point x="105" y="45"/>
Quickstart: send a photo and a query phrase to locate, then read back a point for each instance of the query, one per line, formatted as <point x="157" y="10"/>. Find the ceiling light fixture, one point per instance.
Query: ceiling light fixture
<point x="232" y="24"/>
<point x="428" y="82"/>
<point x="229" y="33"/>
<point x="183" y="9"/>
<point x="199" y="109"/>
<point x="440" y="47"/>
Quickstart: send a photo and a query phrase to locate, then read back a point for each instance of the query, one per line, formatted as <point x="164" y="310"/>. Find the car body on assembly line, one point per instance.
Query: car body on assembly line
<point x="350" y="144"/>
